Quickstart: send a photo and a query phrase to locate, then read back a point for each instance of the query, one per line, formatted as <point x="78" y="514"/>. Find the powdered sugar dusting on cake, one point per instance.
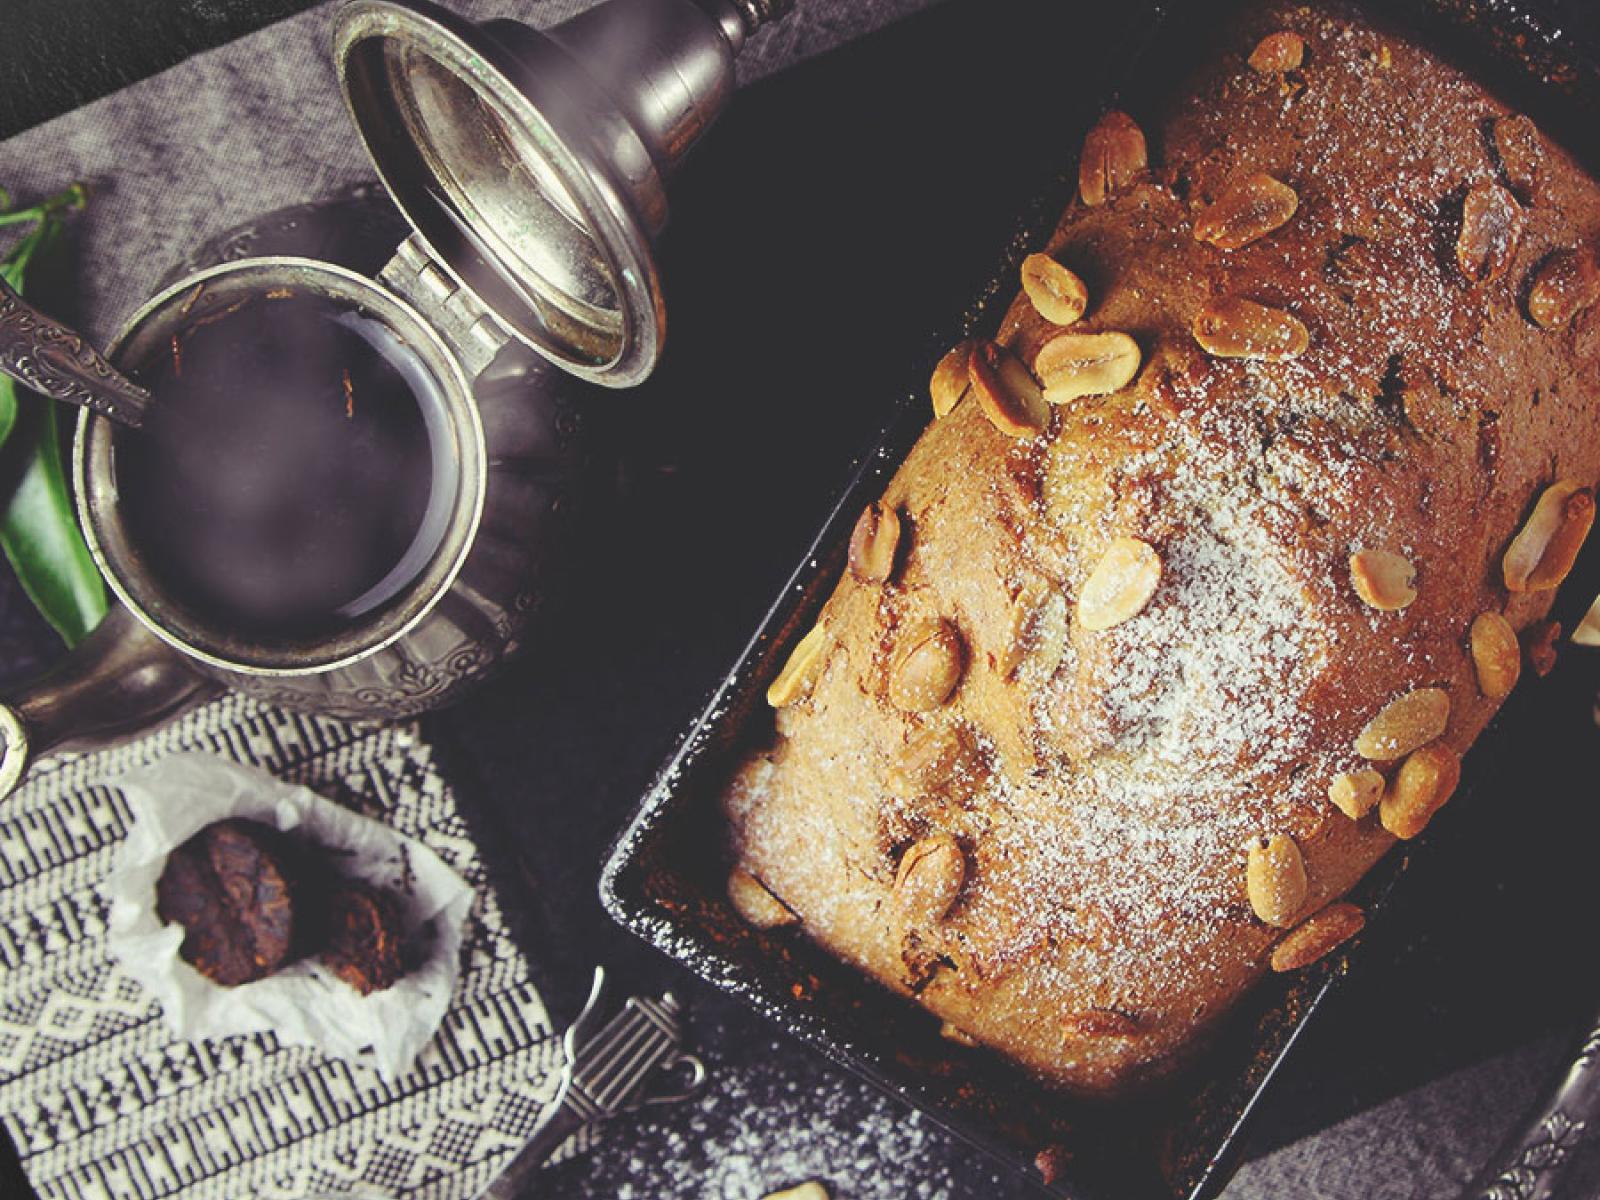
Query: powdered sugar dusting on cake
<point x="829" y="850"/>
<point x="1199" y="702"/>
<point x="1210" y="671"/>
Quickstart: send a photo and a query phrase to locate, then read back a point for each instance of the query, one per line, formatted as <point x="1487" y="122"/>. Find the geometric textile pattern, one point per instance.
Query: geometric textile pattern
<point x="103" y="1104"/>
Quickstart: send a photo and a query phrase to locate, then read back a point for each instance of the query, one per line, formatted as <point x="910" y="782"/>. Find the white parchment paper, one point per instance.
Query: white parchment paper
<point x="305" y="1003"/>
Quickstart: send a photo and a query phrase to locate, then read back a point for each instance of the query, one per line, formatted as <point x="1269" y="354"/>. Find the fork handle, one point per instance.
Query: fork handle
<point x="515" y="1181"/>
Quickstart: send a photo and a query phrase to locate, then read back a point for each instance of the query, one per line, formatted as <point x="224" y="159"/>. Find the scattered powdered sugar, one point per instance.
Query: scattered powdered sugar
<point x="764" y="1126"/>
<point x="1194" y="715"/>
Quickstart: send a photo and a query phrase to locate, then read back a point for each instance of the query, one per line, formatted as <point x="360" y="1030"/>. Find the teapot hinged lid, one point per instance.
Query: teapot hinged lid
<point x="520" y="180"/>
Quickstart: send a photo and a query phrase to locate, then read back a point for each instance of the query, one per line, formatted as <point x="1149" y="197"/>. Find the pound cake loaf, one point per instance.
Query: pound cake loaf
<point x="1210" y="566"/>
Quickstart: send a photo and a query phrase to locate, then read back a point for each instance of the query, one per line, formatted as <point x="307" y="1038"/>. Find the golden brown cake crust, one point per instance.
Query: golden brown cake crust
<point x="1103" y="794"/>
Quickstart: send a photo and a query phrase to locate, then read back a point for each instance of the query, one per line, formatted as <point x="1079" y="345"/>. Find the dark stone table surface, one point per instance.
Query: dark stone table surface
<point x="811" y="252"/>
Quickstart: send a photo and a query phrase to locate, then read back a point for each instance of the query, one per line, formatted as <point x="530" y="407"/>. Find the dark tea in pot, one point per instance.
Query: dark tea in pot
<point x="294" y="472"/>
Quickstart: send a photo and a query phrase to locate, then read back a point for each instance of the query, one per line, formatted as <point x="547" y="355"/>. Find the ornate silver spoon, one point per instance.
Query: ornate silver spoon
<point x="55" y="361"/>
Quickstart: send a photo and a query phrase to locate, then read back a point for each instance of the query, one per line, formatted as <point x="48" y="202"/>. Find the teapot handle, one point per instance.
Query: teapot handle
<point x="118" y="681"/>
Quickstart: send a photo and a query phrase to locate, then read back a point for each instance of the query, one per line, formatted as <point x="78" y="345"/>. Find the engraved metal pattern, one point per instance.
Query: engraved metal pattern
<point x="1551" y="1145"/>
<point x="1531" y="1164"/>
<point x="56" y="362"/>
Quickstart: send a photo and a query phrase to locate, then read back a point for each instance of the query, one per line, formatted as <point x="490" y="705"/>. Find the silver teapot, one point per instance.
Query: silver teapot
<point x="531" y="170"/>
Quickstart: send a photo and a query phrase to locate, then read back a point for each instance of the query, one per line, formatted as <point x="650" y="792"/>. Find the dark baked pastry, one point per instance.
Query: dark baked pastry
<point x="365" y="936"/>
<point x="234" y="888"/>
<point x="1212" y="564"/>
<point x="252" y="900"/>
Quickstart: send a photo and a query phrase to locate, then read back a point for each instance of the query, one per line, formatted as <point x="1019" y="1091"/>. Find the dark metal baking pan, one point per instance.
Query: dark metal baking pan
<point x="664" y="878"/>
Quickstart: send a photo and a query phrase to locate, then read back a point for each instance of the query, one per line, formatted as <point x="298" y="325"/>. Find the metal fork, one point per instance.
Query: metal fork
<point x="613" y="1066"/>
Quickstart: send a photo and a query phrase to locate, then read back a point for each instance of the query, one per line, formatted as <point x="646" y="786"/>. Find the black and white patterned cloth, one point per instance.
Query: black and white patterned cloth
<point x="103" y="1104"/>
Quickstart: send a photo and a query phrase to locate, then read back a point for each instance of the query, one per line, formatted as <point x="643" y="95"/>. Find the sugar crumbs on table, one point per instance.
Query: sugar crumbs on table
<point x="760" y="1130"/>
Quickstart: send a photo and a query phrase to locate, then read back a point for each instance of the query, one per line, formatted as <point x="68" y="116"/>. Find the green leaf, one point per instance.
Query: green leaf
<point x="38" y="528"/>
<point x="12" y="270"/>
<point x="8" y="407"/>
<point x="40" y="537"/>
